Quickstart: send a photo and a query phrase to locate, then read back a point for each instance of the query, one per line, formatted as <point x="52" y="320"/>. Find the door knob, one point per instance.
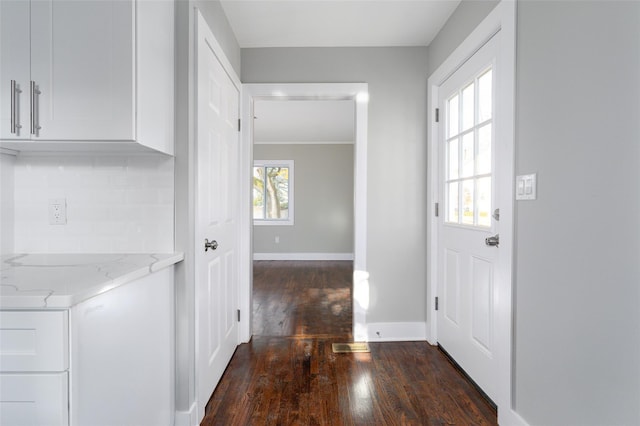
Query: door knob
<point x="210" y="245"/>
<point x="493" y="241"/>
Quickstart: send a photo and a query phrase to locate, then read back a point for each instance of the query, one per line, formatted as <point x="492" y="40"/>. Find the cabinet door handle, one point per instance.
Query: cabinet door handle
<point x="33" y="107"/>
<point x="14" y="107"/>
<point x="35" y="119"/>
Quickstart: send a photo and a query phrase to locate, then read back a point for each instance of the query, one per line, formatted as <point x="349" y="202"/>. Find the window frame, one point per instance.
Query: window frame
<point x="289" y="221"/>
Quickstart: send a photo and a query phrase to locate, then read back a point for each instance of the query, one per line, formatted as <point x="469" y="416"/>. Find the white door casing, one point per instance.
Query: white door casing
<point x="465" y="263"/>
<point x="217" y="186"/>
<point x="501" y="19"/>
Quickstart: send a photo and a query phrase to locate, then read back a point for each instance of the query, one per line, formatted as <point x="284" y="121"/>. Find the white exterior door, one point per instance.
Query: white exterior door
<point x="217" y="188"/>
<point x="468" y="187"/>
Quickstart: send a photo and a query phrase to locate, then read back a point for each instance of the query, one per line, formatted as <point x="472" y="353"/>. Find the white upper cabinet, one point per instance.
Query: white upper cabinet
<point x="85" y="75"/>
<point x="15" y="68"/>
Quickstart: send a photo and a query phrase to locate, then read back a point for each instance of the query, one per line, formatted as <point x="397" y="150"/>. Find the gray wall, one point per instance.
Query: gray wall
<point x="217" y="20"/>
<point x="578" y="245"/>
<point x="466" y="17"/>
<point x="577" y="271"/>
<point x="323" y="200"/>
<point x="396" y="209"/>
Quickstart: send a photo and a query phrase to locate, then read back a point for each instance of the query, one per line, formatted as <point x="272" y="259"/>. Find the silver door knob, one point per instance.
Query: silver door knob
<point x="493" y="241"/>
<point x="210" y="245"/>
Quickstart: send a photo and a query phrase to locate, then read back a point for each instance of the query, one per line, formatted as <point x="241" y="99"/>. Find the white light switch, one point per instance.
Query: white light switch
<point x="526" y="187"/>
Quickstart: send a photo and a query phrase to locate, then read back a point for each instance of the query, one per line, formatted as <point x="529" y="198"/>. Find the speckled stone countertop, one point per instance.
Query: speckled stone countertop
<point x="59" y="281"/>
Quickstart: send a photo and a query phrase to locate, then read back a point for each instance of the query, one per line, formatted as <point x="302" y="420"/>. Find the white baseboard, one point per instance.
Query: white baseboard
<point x="302" y="256"/>
<point x="510" y="417"/>
<point x="186" y="418"/>
<point x="396" y="331"/>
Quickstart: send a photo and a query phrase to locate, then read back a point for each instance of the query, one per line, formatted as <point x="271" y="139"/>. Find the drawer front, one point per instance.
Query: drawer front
<point x="34" y="341"/>
<point x="34" y="399"/>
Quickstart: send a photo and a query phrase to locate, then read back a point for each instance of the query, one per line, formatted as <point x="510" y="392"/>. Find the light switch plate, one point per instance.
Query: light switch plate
<point x="526" y="187"/>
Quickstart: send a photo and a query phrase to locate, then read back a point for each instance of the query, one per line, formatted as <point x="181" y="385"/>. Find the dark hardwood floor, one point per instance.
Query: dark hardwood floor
<point x="302" y="298"/>
<point x="288" y="374"/>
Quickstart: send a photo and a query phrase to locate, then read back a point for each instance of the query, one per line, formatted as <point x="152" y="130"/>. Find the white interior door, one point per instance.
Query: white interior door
<point x="468" y="186"/>
<point x="217" y="183"/>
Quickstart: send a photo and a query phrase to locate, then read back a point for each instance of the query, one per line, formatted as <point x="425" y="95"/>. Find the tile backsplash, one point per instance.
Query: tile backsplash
<point x="6" y="202"/>
<point x="115" y="203"/>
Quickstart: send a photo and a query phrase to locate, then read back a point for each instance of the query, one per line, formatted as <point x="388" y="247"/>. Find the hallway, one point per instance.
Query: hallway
<point x="288" y="374"/>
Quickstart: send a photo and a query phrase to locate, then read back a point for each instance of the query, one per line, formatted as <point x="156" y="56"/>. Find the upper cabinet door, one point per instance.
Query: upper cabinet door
<point x="14" y="69"/>
<point x="82" y="70"/>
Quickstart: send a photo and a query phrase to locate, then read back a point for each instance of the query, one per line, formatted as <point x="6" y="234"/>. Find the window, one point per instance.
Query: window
<point x="273" y="192"/>
<point x="468" y="165"/>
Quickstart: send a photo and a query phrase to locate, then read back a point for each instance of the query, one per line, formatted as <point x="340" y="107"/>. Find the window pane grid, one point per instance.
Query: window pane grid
<point x="468" y="147"/>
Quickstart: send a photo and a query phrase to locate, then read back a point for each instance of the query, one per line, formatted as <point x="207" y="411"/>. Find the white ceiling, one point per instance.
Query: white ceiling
<point x="304" y="121"/>
<point x="330" y="23"/>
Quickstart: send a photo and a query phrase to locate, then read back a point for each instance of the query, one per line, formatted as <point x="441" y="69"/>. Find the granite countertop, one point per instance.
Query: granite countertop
<point x="59" y="281"/>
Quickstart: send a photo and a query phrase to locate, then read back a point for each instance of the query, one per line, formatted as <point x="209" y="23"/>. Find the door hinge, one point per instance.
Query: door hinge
<point x="238" y="315"/>
<point x="436" y="209"/>
<point x="437" y="115"/>
<point x="436" y="303"/>
<point x="239" y="122"/>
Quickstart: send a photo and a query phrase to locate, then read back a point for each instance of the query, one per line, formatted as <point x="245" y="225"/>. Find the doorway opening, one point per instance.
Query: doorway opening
<point x="303" y="217"/>
<point x="335" y="253"/>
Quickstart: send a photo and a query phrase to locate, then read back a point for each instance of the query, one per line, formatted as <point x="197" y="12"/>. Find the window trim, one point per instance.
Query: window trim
<point x="277" y="222"/>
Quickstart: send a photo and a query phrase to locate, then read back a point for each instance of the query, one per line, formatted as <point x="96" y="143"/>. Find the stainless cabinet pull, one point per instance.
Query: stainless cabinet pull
<point x="34" y="109"/>
<point x="14" y="108"/>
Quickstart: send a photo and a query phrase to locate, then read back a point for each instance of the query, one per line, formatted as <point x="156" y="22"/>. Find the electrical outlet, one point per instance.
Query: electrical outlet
<point x="58" y="211"/>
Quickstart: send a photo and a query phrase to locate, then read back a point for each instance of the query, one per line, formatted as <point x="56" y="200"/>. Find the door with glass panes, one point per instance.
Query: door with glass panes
<point x="466" y="259"/>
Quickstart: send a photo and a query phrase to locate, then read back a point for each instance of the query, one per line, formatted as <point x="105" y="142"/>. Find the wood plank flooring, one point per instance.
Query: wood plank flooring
<point x="296" y="379"/>
<point x="302" y="298"/>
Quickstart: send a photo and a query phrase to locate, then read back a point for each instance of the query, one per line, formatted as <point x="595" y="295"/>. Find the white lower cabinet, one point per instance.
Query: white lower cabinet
<point x="108" y="360"/>
<point x="34" y="399"/>
<point x="122" y="364"/>
<point x="34" y="363"/>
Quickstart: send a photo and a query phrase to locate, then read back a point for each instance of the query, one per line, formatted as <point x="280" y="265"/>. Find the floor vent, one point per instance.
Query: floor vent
<point x="345" y="348"/>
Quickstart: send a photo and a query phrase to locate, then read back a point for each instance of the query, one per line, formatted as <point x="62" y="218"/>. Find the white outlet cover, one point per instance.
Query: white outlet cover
<point x="526" y="187"/>
<point x="58" y="211"/>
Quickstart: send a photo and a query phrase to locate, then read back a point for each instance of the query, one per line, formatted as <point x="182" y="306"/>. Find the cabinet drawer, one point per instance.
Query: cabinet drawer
<point x="34" y="341"/>
<point x="34" y="399"/>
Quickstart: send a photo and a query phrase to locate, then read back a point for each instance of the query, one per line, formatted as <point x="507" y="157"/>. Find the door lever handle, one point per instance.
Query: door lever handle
<point x="492" y="241"/>
<point x="210" y="245"/>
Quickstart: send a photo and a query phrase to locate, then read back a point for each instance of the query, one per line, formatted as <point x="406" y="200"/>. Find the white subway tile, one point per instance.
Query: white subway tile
<point x="115" y="203"/>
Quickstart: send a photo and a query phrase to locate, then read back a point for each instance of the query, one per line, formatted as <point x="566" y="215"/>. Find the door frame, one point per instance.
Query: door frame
<point x="188" y="20"/>
<point x="204" y="35"/>
<point x="502" y="19"/>
<point x="359" y="92"/>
